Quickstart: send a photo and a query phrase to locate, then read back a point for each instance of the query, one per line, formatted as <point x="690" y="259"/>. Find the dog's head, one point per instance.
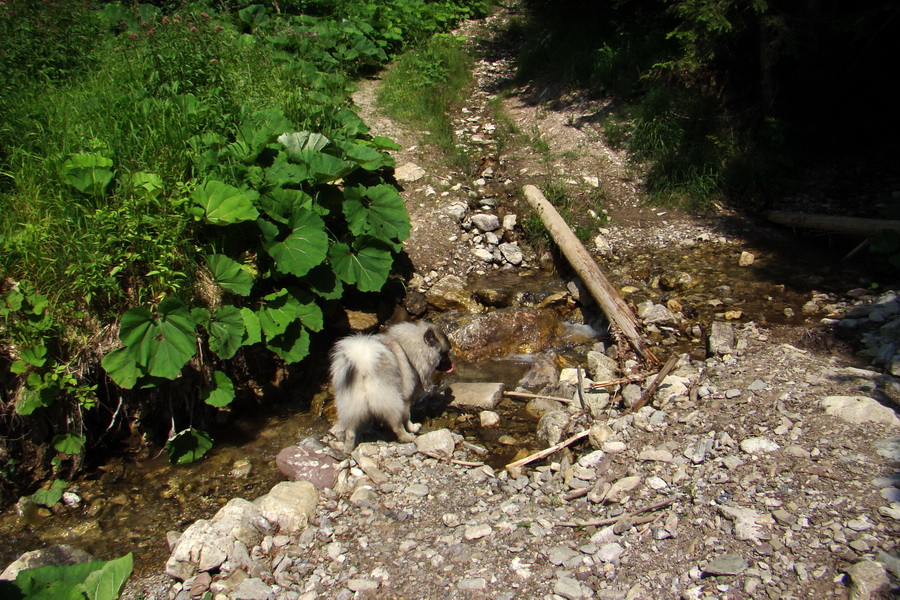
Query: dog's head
<point x="437" y="340"/>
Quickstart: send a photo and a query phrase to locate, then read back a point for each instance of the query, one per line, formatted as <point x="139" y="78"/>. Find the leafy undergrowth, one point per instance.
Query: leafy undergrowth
<point x="184" y="191"/>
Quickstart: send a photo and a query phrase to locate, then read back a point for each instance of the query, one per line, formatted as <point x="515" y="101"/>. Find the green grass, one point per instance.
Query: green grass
<point x="425" y="86"/>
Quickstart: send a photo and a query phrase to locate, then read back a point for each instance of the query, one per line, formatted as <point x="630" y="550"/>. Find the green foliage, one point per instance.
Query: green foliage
<point x="424" y="85"/>
<point x="188" y="445"/>
<point x="97" y="580"/>
<point x="50" y="496"/>
<point x="198" y="174"/>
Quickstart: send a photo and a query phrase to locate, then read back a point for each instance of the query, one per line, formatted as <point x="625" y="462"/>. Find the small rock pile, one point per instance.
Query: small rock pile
<point x="875" y="321"/>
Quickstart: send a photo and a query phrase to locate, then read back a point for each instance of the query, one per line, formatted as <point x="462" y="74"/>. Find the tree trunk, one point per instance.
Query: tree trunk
<point x="849" y="225"/>
<point x="606" y="295"/>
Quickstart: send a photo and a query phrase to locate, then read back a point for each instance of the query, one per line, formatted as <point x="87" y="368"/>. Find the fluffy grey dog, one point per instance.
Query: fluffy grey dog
<point x="379" y="376"/>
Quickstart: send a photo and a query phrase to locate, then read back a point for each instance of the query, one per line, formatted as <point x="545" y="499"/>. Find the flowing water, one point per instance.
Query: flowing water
<point x="129" y="505"/>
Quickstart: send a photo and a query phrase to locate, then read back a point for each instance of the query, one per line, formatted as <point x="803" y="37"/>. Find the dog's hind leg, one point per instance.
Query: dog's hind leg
<point x="350" y="439"/>
<point x="402" y="434"/>
<point x="410" y="426"/>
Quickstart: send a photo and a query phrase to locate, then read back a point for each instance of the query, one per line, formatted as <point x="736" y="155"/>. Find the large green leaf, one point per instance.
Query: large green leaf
<point x="226" y="331"/>
<point x="283" y="172"/>
<point x="300" y="141"/>
<point x="366" y="156"/>
<point x="106" y="583"/>
<point x="88" y="173"/>
<point x="123" y="369"/>
<point x="252" y="326"/>
<point x="308" y="311"/>
<point x="225" y="204"/>
<point x="292" y="345"/>
<point x="280" y="203"/>
<point x="325" y="167"/>
<point x="230" y="274"/>
<point x="367" y="269"/>
<point x="188" y="445"/>
<point x="305" y="246"/>
<point x="222" y="392"/>
<point x="324" y="283"/>
<point x="277" y="313"/>
<point x="378" y="211"/>
<point x="95" y="580"/>
<point x="163" y="344"/>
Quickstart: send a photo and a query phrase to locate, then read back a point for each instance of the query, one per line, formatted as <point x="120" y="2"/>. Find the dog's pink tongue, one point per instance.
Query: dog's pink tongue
<point x="450" y="370"/>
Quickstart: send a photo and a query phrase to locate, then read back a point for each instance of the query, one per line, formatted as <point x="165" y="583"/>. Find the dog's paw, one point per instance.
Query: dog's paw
<point x="413" y="427"/>
<point x="406" y="438"/>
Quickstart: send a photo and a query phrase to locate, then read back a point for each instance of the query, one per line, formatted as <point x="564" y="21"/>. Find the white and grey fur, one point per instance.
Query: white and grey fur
<point x="379" y="376"/>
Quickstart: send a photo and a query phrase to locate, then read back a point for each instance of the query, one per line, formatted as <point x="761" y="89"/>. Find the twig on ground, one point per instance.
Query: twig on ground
<point x="630" y="379"/>
<point x="613" y="520"/>
<point x="464" y="463"/>
<point x="651" y="389"/>
<point x="526" y="395"/>
<point x="548" y="451"/>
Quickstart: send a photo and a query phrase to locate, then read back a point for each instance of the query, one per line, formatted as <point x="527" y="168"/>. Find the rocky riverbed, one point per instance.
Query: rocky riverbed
<point x="764" y="471"/>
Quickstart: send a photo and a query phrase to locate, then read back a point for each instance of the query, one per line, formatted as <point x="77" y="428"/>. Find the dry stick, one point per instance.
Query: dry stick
<point x="613" y="520"/>
<point x="576" y="494"/>
<point x="548" y="451"/>
<point x="465" y="463"/>
<point x="602" y="290"/>
<point x="651" y="389"/>
<point x="630" y="379"/>
<point x="580" y="385"/>
<point x="524" y="395"/>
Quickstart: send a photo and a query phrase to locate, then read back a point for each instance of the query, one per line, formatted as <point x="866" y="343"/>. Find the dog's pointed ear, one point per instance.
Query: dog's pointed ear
<point x="431" y="337"/>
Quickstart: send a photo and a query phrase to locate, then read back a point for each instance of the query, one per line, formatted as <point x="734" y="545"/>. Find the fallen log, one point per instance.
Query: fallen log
<point x="848" y="225"/>
<point x="603" y="291"/>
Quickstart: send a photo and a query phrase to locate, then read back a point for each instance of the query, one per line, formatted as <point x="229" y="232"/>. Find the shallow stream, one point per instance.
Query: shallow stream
<point x="129" y="506"/>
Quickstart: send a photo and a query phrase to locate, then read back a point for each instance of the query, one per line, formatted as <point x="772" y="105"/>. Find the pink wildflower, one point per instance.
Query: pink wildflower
<point x="193" y="30"/>
<point x="218" y="28"/>
<point x="165" y="20"/>
<point x="204" y="15"/>
<point x="132" y="36"/>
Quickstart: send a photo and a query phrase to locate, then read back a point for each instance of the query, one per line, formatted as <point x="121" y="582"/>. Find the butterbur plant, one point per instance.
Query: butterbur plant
<point x="317" y="216"/>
